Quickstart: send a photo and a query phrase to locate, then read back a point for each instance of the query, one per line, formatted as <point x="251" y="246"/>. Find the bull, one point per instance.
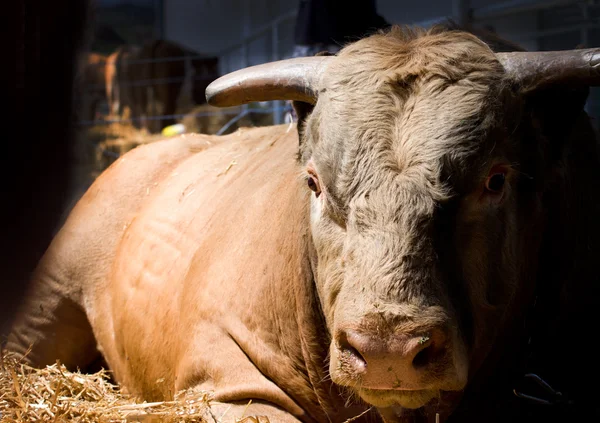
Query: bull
<point x="425" y="239"/>
<point x="119" y="81"/>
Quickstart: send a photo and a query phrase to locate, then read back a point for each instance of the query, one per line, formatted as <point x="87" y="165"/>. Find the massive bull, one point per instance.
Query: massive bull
<point x="437" y="211"/>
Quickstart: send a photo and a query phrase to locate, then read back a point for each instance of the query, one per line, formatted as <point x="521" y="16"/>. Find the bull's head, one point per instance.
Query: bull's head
<point x="425" y="154"/>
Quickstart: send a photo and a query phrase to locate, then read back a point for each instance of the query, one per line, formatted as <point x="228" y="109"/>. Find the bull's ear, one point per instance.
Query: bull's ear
<point x="556" y="84"/>
<point x="302" y="109"/>
<point x="557" y="110"/>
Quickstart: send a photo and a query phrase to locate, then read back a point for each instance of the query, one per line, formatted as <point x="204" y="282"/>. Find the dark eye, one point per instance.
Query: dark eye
<point x="495" y="182"/>
<point x="313" y="184"/>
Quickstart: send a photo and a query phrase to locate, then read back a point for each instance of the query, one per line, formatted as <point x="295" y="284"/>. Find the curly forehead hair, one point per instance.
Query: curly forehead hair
<point x="405" y="99"/>
<point x="407" y="53"/>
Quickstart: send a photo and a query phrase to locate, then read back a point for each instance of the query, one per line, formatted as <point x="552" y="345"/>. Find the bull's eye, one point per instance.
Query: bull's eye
<point x="495" y="182"/>
<point x="313" y="184"/>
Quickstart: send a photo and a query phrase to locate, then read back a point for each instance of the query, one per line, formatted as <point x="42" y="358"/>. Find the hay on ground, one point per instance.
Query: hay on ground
<point x="53" y="394"/>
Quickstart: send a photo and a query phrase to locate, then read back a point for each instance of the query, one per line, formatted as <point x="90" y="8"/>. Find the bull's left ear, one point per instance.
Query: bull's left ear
<point x="555" y="85"/>
<point x="557" y="110"/>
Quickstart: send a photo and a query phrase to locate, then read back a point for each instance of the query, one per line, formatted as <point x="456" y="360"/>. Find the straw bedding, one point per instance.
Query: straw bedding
<point x="54" y="394"/>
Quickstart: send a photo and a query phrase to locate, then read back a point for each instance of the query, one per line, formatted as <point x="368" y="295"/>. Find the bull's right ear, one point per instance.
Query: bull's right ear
<point x="557" y="110"/>
<point x="302" y="109"/>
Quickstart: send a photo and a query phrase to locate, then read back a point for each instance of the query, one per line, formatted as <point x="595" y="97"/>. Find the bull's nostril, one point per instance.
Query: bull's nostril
<point x="422" y="358"/>
<point x="430" y="355"/>
<point x="430" y="349"/>
<point x="353" y="354"/>
<point x="349" y="354"/>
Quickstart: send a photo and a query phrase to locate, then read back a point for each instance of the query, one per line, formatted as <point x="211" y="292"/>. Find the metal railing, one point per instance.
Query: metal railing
<point x="239" y="52"/>
<point x="241" y="49"/>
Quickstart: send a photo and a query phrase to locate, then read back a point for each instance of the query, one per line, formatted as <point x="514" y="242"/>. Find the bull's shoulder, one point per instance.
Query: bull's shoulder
<point x="84" y="247"/>
<point x="99" y="219"/>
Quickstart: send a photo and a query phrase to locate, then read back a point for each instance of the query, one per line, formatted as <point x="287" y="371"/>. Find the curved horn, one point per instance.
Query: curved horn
<point x="542" y="68"/>
<point x="289" y="79"/>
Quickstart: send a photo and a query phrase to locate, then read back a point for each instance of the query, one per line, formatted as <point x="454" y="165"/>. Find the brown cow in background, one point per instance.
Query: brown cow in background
<point x="92" y="84"/>
<point x="119" y="81"/>
<point x="157" y="79"/>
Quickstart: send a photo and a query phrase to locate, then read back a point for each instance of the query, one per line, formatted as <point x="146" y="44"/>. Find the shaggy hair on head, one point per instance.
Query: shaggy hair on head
<point x="409" y="103"/>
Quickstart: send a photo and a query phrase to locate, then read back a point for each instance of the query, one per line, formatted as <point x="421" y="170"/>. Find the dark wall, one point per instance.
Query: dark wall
<point x="48" y="37"/>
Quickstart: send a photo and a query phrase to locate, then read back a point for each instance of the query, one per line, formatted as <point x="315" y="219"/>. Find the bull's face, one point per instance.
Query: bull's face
<point x="417" y="216"/>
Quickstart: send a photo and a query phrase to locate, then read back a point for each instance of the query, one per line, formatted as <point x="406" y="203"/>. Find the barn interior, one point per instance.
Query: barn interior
<point x="141" y="79"/>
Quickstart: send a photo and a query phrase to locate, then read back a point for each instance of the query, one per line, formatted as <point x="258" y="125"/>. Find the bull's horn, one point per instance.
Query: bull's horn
<point x="542" y="68"/>
<point x="289" y="79"/>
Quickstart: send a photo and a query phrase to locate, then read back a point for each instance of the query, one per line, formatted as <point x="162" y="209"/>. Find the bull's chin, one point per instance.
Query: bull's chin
<point x="383" y="398"/>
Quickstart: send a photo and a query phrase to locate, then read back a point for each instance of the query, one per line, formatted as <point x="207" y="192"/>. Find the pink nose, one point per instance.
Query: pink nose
<point x="401" y="361"/>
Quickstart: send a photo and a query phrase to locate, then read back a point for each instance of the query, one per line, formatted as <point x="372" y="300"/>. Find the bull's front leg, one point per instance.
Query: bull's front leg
<point x="51" y="324"/>
<point x="254" y="411"/>
<point x="215" y="363"/>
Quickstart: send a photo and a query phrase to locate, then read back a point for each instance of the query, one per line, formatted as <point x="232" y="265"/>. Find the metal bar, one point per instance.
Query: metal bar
<point x="231" y="122"/>
<point x="460" y="11"/>
<point x="584" y="31"/>
<point x="508" y="8"/>
<point x="267" y="27"/>
<point x="159" y="9"/>
<point x="175" y="116"/>
<point x="430" y="22"/>
<point x="518" y="6"/>
<point x="277" y="112"/>
<point x="152" y="82"/>
<point x="170" y="59"/>
<point x="556" y="31"/>
<point x="244" y="64"/>
<point x="245" y="41"/>
<point x="261" y="30"/>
